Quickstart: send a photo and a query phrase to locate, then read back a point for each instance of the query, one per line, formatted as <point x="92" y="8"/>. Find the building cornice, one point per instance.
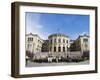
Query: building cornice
<point x="57" y="35"/>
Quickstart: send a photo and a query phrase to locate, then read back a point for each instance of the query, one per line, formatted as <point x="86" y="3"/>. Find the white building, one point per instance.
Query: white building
<point x="58" y="42"/>
<point x="33" y="43"/>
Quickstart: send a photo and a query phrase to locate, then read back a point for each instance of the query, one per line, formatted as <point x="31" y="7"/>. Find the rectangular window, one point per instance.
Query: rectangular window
<point x="30" y="39"/>
<point x="85" y="40"/>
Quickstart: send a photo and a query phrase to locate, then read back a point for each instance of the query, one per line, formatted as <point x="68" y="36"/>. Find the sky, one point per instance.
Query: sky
<point x="45" y="24"/>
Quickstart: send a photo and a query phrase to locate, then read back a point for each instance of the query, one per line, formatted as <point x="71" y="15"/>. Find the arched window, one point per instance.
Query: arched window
<point x="59" y="40"/>
<point x="51" y="41"/>
<point x="54" y="49"/>
<point x="31" y="39"/>
<point x="66" y="41"/>
<point x="63" y="49"/>
<point x="63" y="40"/>
<point x="54" y="40"/>
<point x="59" y="49"/>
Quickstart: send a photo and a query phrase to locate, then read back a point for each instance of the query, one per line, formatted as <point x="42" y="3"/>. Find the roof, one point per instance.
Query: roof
<point x="57" y="34"/>
<point x="33" y="35"/>
<point x="85" y="35"/>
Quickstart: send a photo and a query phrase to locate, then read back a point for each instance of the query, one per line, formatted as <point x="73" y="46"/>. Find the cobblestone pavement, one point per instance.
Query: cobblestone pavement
<point x="33" y="64"/>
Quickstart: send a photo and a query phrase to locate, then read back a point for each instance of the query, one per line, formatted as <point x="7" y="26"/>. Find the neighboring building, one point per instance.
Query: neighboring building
<point x="81" y="43"/>
<point x="85" y="42"/>
<point x="45" y="46"/>
<point x="33" y="43"/>
<point x="71" y="41"/>
<point x="58" y="42"/>
<point x="80" y="47"/>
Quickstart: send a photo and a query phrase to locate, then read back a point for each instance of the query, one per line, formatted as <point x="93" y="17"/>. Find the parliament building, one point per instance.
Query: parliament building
<point x="57" y="46"/>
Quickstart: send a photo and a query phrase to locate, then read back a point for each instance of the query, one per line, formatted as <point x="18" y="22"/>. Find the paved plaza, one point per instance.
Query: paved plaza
<point x="33" y="64"/>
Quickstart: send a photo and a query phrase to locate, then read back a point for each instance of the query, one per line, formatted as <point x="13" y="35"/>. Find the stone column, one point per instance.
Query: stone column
<point x="52" y="50"/>
<point x="66" y="48"/>
<point x="56" y="48"/>
<point x="61" y="47"/>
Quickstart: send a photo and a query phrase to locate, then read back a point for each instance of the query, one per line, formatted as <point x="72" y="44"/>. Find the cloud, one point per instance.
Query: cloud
<point x="33" y="25"/>
<point x="39" y="26"/>
<point x="33" y="21"/>
<point x="74" y="36"/>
